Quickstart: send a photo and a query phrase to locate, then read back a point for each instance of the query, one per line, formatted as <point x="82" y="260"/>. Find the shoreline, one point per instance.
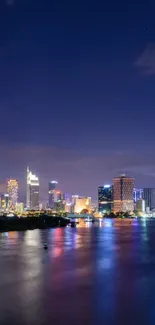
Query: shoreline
<point x="31" y="223"/>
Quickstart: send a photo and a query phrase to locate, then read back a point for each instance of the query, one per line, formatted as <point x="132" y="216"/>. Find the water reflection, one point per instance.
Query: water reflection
<point x="97" y="274"/>
<point x="32" y="238"/>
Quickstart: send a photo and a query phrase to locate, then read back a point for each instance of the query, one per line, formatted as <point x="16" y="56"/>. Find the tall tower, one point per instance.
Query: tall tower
<point x="32" y="199"/>
<point x="123" y="194"/>
<point x="12" y="189"/>
<point x="52" y="193"/>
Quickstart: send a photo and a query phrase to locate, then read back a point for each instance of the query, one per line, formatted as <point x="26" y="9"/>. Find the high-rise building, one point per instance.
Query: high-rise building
<point x="59" y="196"/>
<point x="137" y="194"/>
<point x="52" y="193"/>
<point x="105" y="198"/>
<point x="59" y="206"/>
<point x="4" y="202"/>
<point x="12" y="189"/>
<point x="81" y="204"/>
<point x="140" y="205"/>
<point x="149" y="197"/>
<point x="59" y="202"/>
<point x="123" y="194"/>
<point x="32" y="201"/>
<point x="19" y="208"/>
<point x="68" y="207"/>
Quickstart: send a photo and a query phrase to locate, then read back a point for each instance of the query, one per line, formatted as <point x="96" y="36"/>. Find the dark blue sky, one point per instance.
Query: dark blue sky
<point x="77" y="91"/>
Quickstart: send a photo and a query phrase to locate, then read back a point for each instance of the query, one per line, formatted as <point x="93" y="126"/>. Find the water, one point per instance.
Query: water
<point x="101" y="274"/>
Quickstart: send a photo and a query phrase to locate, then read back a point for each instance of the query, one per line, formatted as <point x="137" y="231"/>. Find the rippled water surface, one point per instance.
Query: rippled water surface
<point x="100" y="274"/>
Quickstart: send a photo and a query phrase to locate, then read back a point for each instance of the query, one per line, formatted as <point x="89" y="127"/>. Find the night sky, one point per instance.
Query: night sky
<point x="77" y="92"/>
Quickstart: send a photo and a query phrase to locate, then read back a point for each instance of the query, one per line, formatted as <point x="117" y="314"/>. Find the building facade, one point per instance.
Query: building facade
<point x="4" y="202"/>
<point x="32" y="200"/>
<point x="105" y="199"/>
<point x="149" y="197"/>
<point x="123" y="194"/>
<point x="12" y="189"/>
<point x="19" y="208"/>
<point x="140" y="205"/>
<point x="137" y="194"/>
<point x="81" y="204"/>
<point x="52" y="195"/>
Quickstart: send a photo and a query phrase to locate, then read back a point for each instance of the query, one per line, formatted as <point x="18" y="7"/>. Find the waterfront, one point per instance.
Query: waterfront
<point x="93" y="274"/>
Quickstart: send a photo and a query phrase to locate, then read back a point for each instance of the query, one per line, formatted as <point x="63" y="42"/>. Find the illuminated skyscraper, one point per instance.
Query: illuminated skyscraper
<point x="19" y="207"/>
<point x="32" y="200"/>
<point x="137" y="194"/>
<point x="105" y="198"/>
<point x="123" y="194"/>
<point x="140" y="205"/>
<point x="52" y="193"/>
<point x="12" y="189"/>
<point x="4" y="202"/>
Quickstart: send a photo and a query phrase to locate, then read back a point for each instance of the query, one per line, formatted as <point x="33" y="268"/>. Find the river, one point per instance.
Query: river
<point x="93" y="274"/>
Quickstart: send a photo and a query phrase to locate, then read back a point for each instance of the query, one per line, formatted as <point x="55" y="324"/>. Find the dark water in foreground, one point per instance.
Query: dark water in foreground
<point x="89" y="275"/>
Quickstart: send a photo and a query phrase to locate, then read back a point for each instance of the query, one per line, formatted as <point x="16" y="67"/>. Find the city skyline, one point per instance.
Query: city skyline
<point x="44" y="188"/>
<point x="119" y="196"/>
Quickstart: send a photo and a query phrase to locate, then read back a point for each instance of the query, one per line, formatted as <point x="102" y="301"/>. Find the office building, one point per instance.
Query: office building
<point x="12" y="189"/>
<point x="140" y="205"/>
<point x="81" y="204"/>
<point x="68" y="203"/>
<point x="59" y="202"/>
<point x="59" y="206"/>
<point x="19" y="208"/>
<point x="137" y="194"/>
<point x="123" y="194"/>
<point x="32" y="201"/>
<point x="52" y="195"/>
<point x="68" y="207"/>
<point x="149" y="197"/>
<point x="4" y="202"/>
<point x="105" y="198"/>
<point x="59" y="196"/>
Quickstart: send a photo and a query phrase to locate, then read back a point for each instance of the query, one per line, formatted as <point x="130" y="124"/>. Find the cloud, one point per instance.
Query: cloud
<point x="146" y="61"/>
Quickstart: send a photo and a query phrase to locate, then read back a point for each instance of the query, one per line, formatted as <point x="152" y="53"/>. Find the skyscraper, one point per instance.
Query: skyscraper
<point x="149" y="197"/>
<point x="32" y="201"/>
<point x="123" y="194"/>
<point x="19" y="207"/>
<point x="105" y="198"/>
<point x="140" y="205"/>
<point x="137" y="194"/>
<point x="4" y="202"/>
<point x="52" y="193"/>
<point x="12" y="189"/>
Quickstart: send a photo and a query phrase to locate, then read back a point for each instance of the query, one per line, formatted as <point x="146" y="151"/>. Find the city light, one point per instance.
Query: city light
<point x="12" y="189"/>
<point x="32" y="191"/>
<point x="121" y="199"/>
